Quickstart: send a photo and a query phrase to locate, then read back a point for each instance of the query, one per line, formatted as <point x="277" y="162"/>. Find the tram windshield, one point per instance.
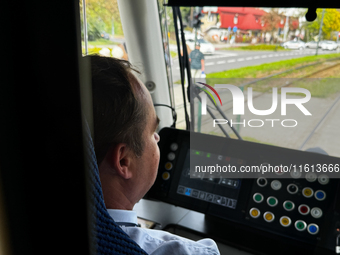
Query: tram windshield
<point x="280" y="68"/>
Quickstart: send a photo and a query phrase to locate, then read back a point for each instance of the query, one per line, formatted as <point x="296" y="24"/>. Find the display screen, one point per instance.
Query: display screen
<point x="201" y="186"/>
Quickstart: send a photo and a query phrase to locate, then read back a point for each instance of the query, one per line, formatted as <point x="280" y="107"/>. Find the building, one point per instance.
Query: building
<point x="247" y="22"/>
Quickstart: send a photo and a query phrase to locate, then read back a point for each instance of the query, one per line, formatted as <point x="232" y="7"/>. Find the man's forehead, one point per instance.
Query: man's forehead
<point x="138" y="87"/>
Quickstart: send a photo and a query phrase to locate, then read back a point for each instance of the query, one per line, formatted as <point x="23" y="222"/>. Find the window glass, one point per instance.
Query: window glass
<point x="100" y="22"/>
<point x="283" y="71"/>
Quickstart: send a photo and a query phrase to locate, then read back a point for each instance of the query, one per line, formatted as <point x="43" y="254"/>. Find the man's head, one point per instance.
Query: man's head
<point x="197" y="46"/>
<point x="119" y="115"/>
<point x="124" y="132"/>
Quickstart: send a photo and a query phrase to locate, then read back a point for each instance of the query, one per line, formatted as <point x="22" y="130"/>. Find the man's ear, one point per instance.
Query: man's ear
<point x="121" y="159"/>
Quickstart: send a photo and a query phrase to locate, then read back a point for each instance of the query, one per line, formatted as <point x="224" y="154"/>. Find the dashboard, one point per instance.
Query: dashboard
<point x="262" y="212"/>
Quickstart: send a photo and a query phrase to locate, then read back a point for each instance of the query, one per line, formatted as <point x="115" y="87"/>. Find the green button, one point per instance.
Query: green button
<point x="272" y="201"/>
<point x="289" y="205"/>
<point x="258" y="197"/>
<point x="300" y="225"/>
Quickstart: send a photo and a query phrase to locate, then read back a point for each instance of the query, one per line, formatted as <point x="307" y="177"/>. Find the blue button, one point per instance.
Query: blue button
<point x="312" y="229"/>
<point x="188" y="192"/>
<point x="320" y="195"/>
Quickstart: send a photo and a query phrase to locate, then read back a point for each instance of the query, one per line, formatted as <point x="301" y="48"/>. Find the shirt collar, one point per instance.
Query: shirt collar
<point x="123" y="215"/>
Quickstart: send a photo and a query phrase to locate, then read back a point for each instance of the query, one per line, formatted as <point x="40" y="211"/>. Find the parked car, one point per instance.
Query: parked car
<point x="321" y="42"/>
<point x="105" y="35"/>
<point x="312" y="44"/>
<point x="294" y="45"/>
<point x="189" y="35"/>
<point x="206" y="47"/>
<point x="329" y="45"/>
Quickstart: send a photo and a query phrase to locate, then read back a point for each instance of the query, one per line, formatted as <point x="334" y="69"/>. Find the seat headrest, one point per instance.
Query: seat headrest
<point x="107" y="236"/>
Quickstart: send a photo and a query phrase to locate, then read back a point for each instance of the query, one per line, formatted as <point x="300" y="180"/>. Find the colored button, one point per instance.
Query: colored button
<point x="171" y="156"/>
<point x="311" y="177"/>
<point x="262" y="181"/>
<point x="313" y="229"/>
<point x="174" y="146"/>
<point x="320" y="195"/>
<point x="295" y="174"/>
<point x="272" y="201"/>
<point x="258" y="198"/>
<point x="292" y="188"/>
<point x="254" y="212"/>
<point x="168" y="166"/>
<point x="316" y="212"/>
<point x="285" y="221"/>
<point x="307" y="192"/>
<point x="304" y="209"/>
<point x="300" y="225"/>
<point x="323" y="179"/>
<point x="288" y="205"/>
<point x="188" y="191"/>
<point x="165" y="176"/>
<point x="268" y="216"/>
<point x="276" y="185"/>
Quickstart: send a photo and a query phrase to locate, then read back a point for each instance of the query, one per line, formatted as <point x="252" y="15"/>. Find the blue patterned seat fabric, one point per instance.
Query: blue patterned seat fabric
<point x="106" y="236"/>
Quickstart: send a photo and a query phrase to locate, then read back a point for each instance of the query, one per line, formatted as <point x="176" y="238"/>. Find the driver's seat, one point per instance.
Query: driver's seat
<point x="107" y="237"/>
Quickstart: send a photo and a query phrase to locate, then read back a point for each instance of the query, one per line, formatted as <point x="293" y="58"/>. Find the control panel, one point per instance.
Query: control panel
<point x="294" y="205"/>
<point x="296" y="208"/>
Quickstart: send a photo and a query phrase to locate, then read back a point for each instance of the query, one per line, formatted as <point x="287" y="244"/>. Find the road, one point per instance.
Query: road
<point x="226" y="60"/>
<point x="324" y="135"/>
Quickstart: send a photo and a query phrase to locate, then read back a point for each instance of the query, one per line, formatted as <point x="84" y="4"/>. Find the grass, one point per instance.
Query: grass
<point x="172" y="42"/>
<point x="257" y="47"/>
<point x="101" y="42"/>
<point x="95" y="46"/>
<point x="268" y="68"/>
<point x="319" y="88"/>
<point x="173" y="54"/>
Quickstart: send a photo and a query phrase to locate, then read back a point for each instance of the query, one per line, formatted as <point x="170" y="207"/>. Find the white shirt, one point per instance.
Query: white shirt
<point x="158" y="242"/>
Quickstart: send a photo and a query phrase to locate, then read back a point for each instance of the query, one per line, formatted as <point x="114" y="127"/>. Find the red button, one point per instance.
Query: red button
<point x="304" y="209"/>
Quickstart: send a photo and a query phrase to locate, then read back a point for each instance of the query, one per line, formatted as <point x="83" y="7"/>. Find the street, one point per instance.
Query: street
<point x="320" y="134"/>
<point x="226" y="60"/>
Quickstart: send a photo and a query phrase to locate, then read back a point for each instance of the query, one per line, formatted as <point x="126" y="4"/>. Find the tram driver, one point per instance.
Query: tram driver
<point x="125" y="140"/>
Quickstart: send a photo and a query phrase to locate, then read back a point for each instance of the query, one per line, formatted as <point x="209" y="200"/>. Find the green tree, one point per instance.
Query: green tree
<point x="101" y="15"/>
<point x="271" y="21"/>
<point x="331" y="22"/>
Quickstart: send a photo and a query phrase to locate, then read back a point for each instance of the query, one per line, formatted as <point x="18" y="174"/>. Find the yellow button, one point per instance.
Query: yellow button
<point x="168" y="166"/>
<point x="285" y="221"/>
<point x="165" y="176"/>
<point x="268" y="216"/>
<point x="307" y="192"/>
<point x="254" y="212"/>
